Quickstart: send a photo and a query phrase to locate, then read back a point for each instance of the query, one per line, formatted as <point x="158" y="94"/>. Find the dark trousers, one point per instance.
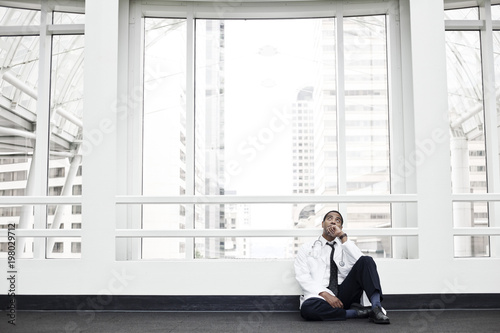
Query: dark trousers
<point x="362" y="277"/>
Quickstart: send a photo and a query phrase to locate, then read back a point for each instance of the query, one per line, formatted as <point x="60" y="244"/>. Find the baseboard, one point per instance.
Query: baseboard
<point x="232" y="303"/>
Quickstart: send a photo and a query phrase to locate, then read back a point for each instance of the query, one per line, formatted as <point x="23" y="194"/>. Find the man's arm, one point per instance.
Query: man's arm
<point x="303" y="274"/>
<point x="352" y="252"/>
<point x="308" y="284"/>
<point x="332" y="300"/>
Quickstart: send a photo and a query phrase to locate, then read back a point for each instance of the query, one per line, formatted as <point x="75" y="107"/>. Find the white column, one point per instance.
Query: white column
<point x="432" y="140"/>
<point x="99" y="166"/>
<point x="190" y="128"/>
<point x="341" y="121"/>
<point x="402" y="131"/>
<point x="41" y="151"/>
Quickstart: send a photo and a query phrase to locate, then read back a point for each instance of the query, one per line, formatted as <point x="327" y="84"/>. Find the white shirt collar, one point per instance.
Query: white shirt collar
<point x="324" y="241"/>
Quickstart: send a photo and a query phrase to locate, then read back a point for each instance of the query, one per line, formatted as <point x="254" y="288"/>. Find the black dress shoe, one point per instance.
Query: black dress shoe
<point x="361" y="311"/>
<point x="378" y="316"/>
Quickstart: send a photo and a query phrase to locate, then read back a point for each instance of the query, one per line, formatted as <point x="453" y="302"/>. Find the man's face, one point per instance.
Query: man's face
<point x="332" y="219"/>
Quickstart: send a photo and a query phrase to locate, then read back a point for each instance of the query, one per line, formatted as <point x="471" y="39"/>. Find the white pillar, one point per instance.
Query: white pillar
<point x="42" y="144"/>
<point x="99" y="134"/>
<point x="432" y="139"/>
<point x="403" y="175"/>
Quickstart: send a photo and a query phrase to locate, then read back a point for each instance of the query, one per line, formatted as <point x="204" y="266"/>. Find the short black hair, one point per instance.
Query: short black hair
<point x="334" y="211"/>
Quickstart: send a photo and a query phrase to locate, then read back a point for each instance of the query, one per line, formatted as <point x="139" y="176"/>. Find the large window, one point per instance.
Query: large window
<point x="272" y="117"/>
<point x="470" y="90"/>
<point x="32" y="109"/>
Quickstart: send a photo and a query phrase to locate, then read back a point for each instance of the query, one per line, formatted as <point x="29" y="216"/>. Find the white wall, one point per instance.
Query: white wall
<point x="106" y="67"/>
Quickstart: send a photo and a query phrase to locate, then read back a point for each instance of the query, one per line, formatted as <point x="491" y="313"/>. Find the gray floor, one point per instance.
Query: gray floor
<point x="477" y="321"/>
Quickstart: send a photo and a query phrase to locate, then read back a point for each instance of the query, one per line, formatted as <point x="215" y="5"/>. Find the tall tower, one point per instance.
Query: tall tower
<point x="210" y="112"/>
<point x="303" y="143"/>
<point x="303" y="159"/>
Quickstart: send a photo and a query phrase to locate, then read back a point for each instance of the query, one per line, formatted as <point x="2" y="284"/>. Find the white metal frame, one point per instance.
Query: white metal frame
<point x="37" y="184"/>
<point x="111" y="59"/>
<point x="485" y="27"/>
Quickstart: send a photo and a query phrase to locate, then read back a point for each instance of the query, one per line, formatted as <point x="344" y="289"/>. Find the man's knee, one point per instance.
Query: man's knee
<point x="309" y="310"/>
<point x="319" y="309"/>
<point x="309" y="314"/>
<point x="367" y="260"/>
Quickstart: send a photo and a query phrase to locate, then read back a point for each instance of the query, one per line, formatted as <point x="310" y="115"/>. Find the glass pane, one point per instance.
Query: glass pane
<point x="15" y="16"/>
<point x="251" y="216"/>
<point x="472" y="246"/>
<point x="462" y="14"/>
<point x="64" y="248"/>
<point x="468" y="152"/>
<point x="16" y="217"/>
<point x="68" y="18"/>
<point x="19" y="79"/>
<point x="163" y="216"/>
<point x="164" y="131"/>
<point x="65" y="164"/>
<point x="372" y="215"/>
<point x="164" y="128"/>
<point x="495" y="13"/>
<point x="250" y="75"/>
<point x="255" y="85"/>
<point x="64" y="217"/>
<point x="65" y="171"/>
<point x="366" y="105"/>
<point x="465" y="99"/>
<point x="59" y="217"/>
<point x="243" y="247"/>
<point x="18" y="85"/>
<point x="470" y="214"/>
<point x="156" y="248"/>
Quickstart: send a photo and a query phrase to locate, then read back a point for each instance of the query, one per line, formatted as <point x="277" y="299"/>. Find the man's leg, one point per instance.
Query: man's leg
<point x="363" y="276"/>
<point x="319" y="309"/>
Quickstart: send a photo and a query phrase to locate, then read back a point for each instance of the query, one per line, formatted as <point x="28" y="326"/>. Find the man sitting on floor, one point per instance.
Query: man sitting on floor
<point x="333" y="273"/>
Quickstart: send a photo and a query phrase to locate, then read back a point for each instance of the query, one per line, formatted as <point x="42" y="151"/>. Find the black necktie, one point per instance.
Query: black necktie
<point x="333" y="286"/>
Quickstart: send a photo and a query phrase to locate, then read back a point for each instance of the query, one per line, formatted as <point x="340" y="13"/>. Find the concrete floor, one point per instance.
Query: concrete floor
<point x="456" y="321"/>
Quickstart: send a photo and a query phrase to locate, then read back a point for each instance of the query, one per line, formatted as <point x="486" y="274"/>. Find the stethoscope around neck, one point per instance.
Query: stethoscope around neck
<point x="316" y="251"/>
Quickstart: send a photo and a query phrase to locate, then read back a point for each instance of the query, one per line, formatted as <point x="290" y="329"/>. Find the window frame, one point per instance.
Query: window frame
<point x="37" y="197"/>
<point x="485" y="26"/>
<point x="403" y="215"/>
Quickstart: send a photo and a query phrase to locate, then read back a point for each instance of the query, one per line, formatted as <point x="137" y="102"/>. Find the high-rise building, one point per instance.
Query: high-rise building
<point x="303" y="154"/>
<point x="210" y="161"/>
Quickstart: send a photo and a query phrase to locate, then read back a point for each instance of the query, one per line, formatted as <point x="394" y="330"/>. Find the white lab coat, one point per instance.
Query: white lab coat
<point x="312" y="265"/>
